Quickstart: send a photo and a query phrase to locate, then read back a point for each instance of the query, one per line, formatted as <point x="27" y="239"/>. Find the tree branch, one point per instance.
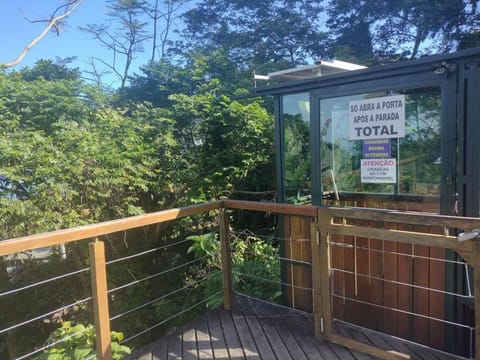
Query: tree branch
<point x="68" y="7"/>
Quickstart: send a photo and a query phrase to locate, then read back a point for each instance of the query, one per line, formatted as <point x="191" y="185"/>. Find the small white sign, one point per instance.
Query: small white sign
<point x="377" y="118"/>
<point x="379" y="171"/>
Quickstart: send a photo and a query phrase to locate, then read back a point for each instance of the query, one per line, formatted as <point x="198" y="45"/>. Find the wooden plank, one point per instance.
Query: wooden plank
<point x="410" y="217"/>
<point x="279" y="348"/>
<point x="287" y="209"/>
<point x="145" y="353"/>
<point x="216" y="335"/>
<point x="366" y="313"/>
<point x="368" y="349"/>
<point x="189" y="344"/>
<point x="300" y="274"/>
<point x="98" y="273"/>
<point x="349" y="255"/>
<point x="304" y="275"/>
<point x="246" y="339"/>
<point x="316" y="280"/>
<point x="421" y="275"/>
<point x="261" y="340"/>
<point x="159" y="350"/>
<point x="325" y="274"/>
<point x="296" y="270"/>
<point x="357" y="336"/>
<point x="390" y="292"/>
<point x="402" y="236"/>
<point x="287" y="267"/>
<point x="405" y="293"/>
<point x="204" y="346"/>
<point x="302" y="332"/>
<point x="437" y="300"/>
<point x="231" y="336"/>
<point x="376" y="271"/>
<point x="175" y="346"/>
<point x="338" y="262"/>
<point x="288" y="339"/>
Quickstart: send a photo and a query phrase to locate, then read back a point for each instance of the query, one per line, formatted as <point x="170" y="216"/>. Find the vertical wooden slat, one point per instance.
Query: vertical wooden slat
<point x="98" y="273"/>
<point x="421" y="276"/>
<point x="226" y="260"/>
<point x="376" y="286"/>
<point x="296" y="270"/>
<point x="316" y="279"/>
<point x="324" y="220"/>
<point x="287" y="290"/>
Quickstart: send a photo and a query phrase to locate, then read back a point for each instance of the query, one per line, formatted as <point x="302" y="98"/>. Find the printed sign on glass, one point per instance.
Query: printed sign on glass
<point x="380" y="171"/>
<point x="377" y="118"/>
<point x="377" y="149"/>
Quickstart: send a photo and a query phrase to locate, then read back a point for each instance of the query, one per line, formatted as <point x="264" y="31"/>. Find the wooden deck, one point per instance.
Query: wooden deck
<point x="259" y="330"/>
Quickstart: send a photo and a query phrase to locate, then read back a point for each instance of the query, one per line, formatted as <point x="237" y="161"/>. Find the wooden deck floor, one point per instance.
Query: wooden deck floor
<point x="258" y="330"/>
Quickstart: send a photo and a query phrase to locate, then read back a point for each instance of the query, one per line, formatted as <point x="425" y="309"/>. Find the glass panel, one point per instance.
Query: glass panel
<point x="296" y="140"/>
<point x="363" y="153"/>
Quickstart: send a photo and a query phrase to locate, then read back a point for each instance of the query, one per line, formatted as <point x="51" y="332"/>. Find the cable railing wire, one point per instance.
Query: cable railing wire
<point x="413" y="255"/>
<point x="272" y="281"/>
<point x="135" y="282"/>
<point x="447" y="322"/>
<point x="26" y="322"/>
<point x="401" y="283"/>
<point x="151" y="302"/>
<point x="147" y="251"/>
<point x="43" y="282"/>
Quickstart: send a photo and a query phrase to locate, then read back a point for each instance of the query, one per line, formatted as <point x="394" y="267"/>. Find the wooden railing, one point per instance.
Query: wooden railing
<point x="325" y="222"/>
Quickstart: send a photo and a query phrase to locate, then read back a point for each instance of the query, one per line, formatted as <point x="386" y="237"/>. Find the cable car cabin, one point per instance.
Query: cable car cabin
<point x="402" y="136"/>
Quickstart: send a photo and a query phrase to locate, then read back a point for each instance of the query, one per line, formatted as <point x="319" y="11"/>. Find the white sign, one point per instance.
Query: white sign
<point x="378" y="118"/>
<point x="378" y="171"/>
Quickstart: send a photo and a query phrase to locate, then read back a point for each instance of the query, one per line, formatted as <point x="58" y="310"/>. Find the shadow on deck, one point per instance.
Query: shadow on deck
<point x="260" y="330"/>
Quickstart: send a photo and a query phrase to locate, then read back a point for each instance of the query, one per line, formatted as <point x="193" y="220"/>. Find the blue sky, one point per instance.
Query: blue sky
<point x="16" y="32"/>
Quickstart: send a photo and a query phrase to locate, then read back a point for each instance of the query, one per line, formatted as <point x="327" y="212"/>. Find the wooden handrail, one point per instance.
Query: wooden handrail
<point x="404" y="217"/>
<point x="286" y="209"/>
<point x="53" y="238"/>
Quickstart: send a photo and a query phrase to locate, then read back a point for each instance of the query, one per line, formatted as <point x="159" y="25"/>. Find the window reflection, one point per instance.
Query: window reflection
<point x="416" y="156"/>
<point x="296" y="147"/>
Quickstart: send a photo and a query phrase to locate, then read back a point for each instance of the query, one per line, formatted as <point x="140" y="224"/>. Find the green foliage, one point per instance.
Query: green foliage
<point x="256" y="266"/>
<point x="221" y="141"/>
<point x="77" y="341"/>
<point x="204" y="245"/>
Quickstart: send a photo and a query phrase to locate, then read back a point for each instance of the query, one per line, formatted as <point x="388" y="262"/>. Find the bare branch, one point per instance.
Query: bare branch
<point x="67" y="8"/>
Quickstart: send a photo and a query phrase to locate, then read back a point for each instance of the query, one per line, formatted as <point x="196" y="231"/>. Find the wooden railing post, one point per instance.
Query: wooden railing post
<point x="226" y="260"/>
<point x="316" y="279"/>
<point x="98" y="273"/>
<point x="326" y="303"/>
<point x="476" y="279"/>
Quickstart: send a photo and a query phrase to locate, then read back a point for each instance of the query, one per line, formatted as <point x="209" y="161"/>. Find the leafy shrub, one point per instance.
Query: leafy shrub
<point x="77" y="342"/>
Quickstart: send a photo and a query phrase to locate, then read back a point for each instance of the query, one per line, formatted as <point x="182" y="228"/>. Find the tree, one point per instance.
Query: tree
<point x="62" y="11"/>
<point x="221" y="142"/>
<point x="125" y="40"/>
<point x="254" y="33"/>
<point x="401" y="29"/>
<point x="67" y="159"/>
<point x="161" y="35"/>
